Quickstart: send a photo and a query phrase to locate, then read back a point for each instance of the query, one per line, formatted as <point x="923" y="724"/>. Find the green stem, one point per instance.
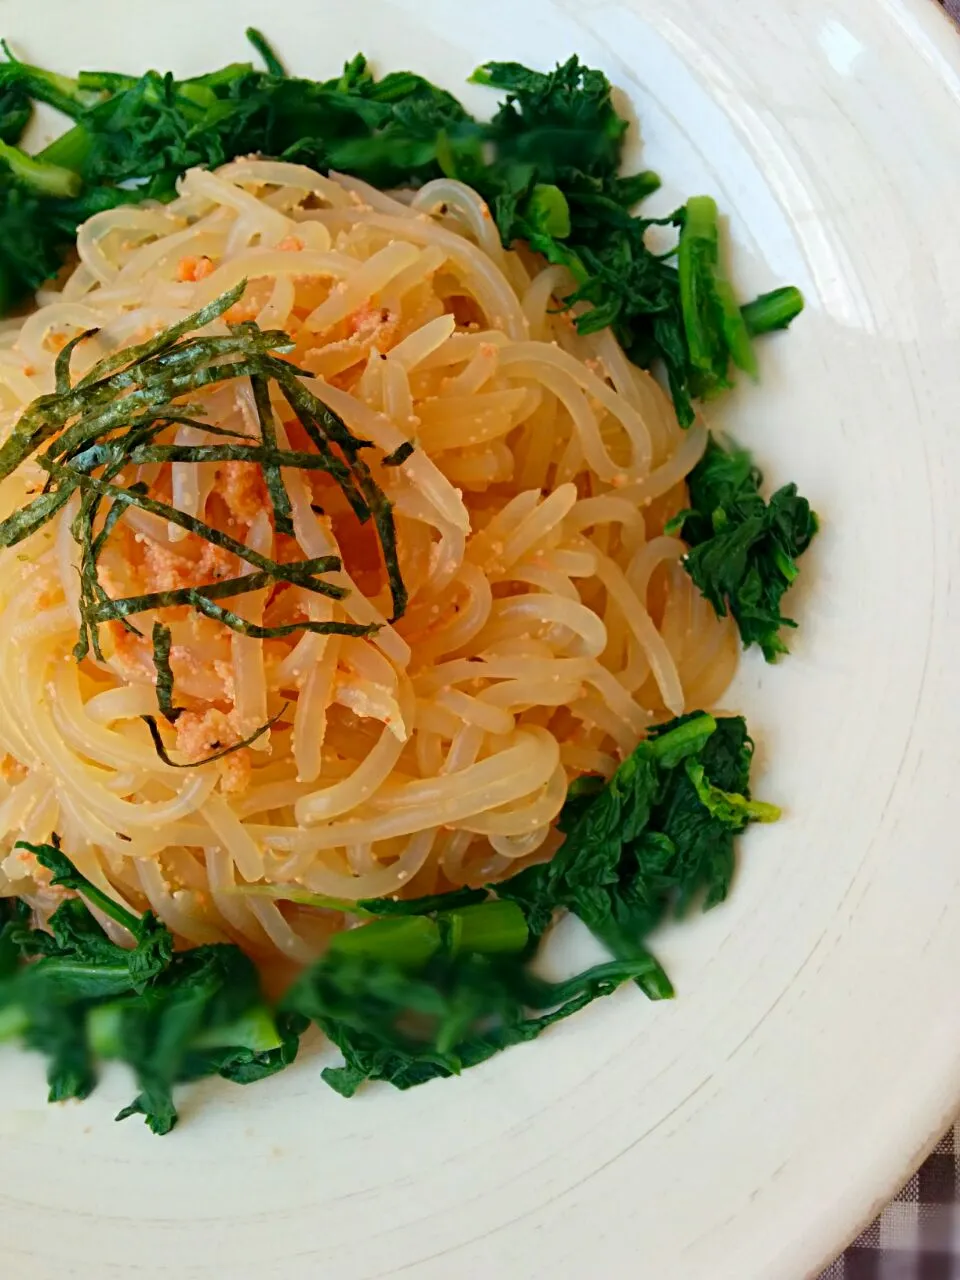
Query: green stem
<point x="14" y="1021"/>
<point x="105" y="1030"/>
<point x="697" y="258"/>
<point x="224" y="77"/>
<point x="259" y="41"/>
<point x="407" y="941"/>
<point x="41" y="176"/>
<point x="109" y="82"/>
<point x="61" y="92"/>
<point x="255" y="1030"/>
<point x="70" y="151"/>
<point x="66" y="874"/>
<point x="774" y="310"/>
<point x="302" y="897"/>
<point x="490" y="928"/>
<point x="686" y="740"/>
<point x="733" y="808"/>
<point x="643" y="969"/>
<point x="736" y="332"/>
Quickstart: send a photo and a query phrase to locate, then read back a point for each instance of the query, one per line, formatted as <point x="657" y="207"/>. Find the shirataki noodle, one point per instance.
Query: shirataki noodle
<point x="549" y="620"/>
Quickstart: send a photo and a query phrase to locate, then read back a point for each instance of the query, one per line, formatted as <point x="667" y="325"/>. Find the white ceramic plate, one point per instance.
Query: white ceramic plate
<point x="747" y="1129"/>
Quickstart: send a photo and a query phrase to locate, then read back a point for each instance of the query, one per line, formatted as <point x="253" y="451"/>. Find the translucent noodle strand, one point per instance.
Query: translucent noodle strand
<point x="530" y="472"/>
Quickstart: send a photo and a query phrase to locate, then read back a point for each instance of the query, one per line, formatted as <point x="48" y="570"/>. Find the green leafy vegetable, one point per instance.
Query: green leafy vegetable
<point x="656" y="838"/>
<point x="561" y="120"/>
<point x="428" y="986"/>
<point x="209" y="999"/>
<point x="42" y="177"/>
<point x="548" y="163"/>
<point x="715" y="328"/>
<point x="35" y="237"/>
<point x="75" y="995"/>
<point x="775" y="310"/>
<point x="687" y="852"/>
<point x="15" y="112"/>
<point x="265" y="49"/>
<point x="743" y="550"/>
<point x="407" y="1028"/>
<point x="556" y="182"/>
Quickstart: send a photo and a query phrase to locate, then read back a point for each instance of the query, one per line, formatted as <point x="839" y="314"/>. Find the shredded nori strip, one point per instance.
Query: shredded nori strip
<point x="166" y="337"/>
<point x="114" y="418"/>
<point x="119" y="607"/>
<point x="299" y="572"/>
<point x="279" y="498"/>
<point x="161" y="661"/>
<point x="28" y="519"/>
<point x="151" y="723"/>
<point x="91" y="591"/>
<point x="399" y="455"/>
<point x="217" y="612"/>
<point x="299" y="400"/>
<point x="61" y="368"/>
<point x="319" y="420"/>
<point x="48" y="414"/>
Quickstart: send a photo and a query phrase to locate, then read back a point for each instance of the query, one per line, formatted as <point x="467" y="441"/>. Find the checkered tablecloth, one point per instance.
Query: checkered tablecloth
<point x="917" y="1237"/>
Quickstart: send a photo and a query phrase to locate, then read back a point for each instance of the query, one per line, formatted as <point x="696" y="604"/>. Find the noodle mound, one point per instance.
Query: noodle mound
<point x="550" y="621"/>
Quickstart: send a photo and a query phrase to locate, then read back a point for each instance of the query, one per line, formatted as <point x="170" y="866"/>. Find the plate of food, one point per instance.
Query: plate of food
<point x="477" y="603"/>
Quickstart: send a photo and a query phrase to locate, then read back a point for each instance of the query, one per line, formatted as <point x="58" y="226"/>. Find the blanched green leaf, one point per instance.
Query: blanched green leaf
<point x="743" y="550"/>
<point x="733" y="810"/>
<point x="15" y="111"/>
<point x="75" y="995"/>
<point x="548" y="164"/>
<point x="407" y="1028"/>
<point x="656" y="837"/>
<point x="430" y="987"/>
